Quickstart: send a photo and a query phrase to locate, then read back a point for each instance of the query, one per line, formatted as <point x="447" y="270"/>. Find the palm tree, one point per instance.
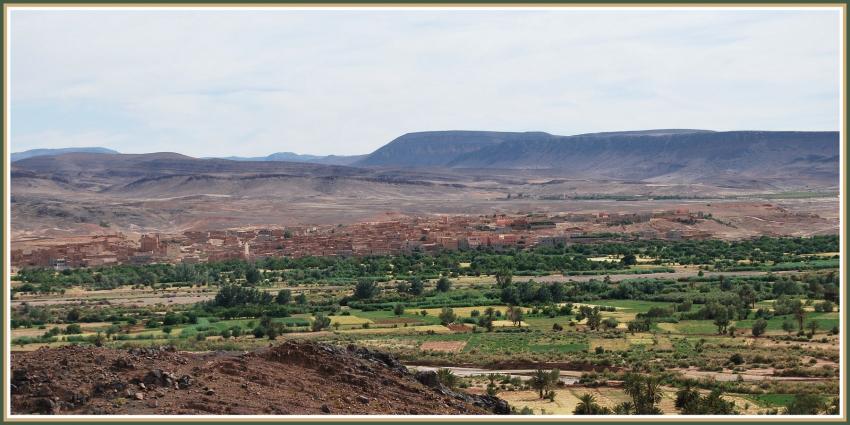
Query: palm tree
<point x="645" y="393"/>
<point x="540" y="381"/>
<point x="587" y="405"/>
<point x="799" y="312"/>
<point x="624" y="408"/>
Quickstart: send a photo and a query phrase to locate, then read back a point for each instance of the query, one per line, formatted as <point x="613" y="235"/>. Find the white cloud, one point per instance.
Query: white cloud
<point x="324" y="81"/>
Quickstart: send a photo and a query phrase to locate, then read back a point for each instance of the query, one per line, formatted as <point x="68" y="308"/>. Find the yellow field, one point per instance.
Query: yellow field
<point x="671" y="327"/>
<point x="460" y="311"/>
<point x="640" y="339"/>
<point x="348" y="320"/>
<point x="410" y="329"/>
<point x="389" y="343"/>
<point x="34" y="332"/>
<point x="613" y="344"/>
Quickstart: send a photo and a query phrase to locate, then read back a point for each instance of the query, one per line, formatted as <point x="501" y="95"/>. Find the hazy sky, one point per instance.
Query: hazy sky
<point x="216" y="83"/>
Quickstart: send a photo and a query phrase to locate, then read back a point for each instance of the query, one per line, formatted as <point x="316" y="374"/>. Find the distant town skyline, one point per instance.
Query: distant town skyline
<point x="242" y="82"/>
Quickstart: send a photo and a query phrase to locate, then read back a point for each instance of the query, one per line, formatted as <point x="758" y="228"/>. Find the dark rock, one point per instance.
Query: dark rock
<point x="326" y="409"/>
<point x="428" y="378"/>
<point x="184" y="382"/>
<point x="45" y="405"/>
<point x="122" y="364"/>
<point x="363" y="399"/>
<point x="20" y="377"/>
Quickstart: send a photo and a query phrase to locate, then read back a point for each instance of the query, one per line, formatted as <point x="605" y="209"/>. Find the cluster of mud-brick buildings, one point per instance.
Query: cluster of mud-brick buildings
<point x="402" y="235"/>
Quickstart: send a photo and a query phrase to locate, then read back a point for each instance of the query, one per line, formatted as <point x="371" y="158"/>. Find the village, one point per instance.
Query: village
<point x="399" y="235"/>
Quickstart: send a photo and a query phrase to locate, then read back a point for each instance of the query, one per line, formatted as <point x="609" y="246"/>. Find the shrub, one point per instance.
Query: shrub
<point x="736" y="359"/>
<point x="320" y="322"/>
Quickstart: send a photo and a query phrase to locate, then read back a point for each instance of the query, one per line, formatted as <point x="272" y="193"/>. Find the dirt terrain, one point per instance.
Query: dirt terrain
<point x="285" y="379"/>
<point x="87" y="194"/>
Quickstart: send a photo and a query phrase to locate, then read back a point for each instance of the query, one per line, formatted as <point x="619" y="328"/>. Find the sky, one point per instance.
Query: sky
<point x="254" y="82"/>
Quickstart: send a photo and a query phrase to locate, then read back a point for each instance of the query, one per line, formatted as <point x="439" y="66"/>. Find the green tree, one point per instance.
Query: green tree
<point x="252" y="275"/>
<point x="320" y="322"/>
<point x="721" y="320"/>
<point x="805" y="404"/>
<point x="284" y="296"/>
<point x="73" y="315"/>
<point x="417" y="287"/>
<point x="788" y="326"/>
<point x="503" y="277"/>
<point x="543" y="381"/>
<point x="748" y="296"/>
<point x="447" y="315"/>
<point x="593" y="315"/>
<point x="759" y="327"/>
<point x="398" y="309"/>
<point x="444" y="284"/>
<point x="365" y="289"/>
<point x="812" y="326"/>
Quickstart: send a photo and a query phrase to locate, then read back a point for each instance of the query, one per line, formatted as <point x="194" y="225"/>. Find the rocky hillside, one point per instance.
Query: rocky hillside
<point x="287" y="379"/>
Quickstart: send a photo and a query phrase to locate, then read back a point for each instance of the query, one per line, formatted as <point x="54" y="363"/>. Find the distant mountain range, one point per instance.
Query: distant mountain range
<point x="294" y="157"/>
<point x="662" y="155"/>
<point x="17" y="156"/>
<point x="667" y="155"/>
<point x="280" y="156"/>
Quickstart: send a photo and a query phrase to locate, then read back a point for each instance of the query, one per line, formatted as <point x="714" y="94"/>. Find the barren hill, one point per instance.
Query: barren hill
<point x="288" y="379"/>
<point x="417" y="174"/>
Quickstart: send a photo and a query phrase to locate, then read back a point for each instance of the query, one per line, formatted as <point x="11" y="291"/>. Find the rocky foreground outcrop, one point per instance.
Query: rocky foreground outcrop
<point x="285" y="379"/>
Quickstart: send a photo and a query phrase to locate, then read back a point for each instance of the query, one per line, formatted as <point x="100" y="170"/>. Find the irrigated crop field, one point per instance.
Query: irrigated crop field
<point x="745" y="341"/>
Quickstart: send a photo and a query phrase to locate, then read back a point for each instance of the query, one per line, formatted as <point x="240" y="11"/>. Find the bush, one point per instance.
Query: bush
<point x="736" y="359"/>
<point x="444" y="284"/>
<point x="447" y="316"/>
<point x="320" y="322"/>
